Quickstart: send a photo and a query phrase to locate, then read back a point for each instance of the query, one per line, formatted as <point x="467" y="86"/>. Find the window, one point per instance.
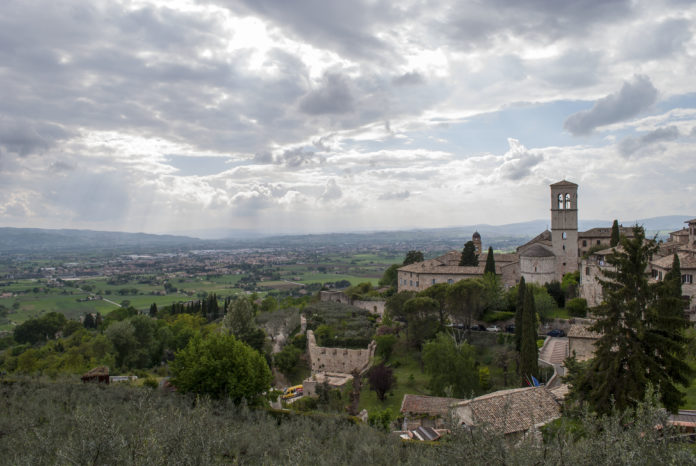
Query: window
<point x="564" y="247"/>
<point x="433" y="281"/>
<point x="560" y="201"/>
<point x="411" y="282"/>
<point x="584" y="242"/>
<point x="564" y="235"/>
<point x="659" y="275"/>
<point x="567" y="197"/>
<point x="450" y="281"/>
<point x="688" y="278"/>
<point x="587" y="270"/>
<point x="416" y="283"/>
<point x="599" y="242"/>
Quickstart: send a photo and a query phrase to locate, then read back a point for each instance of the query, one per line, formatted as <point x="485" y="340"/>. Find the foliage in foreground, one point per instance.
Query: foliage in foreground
<point x="63" y="423"/>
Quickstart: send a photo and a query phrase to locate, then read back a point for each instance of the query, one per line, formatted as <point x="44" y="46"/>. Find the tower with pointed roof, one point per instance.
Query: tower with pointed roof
<point x="564" y="226"/>
<point x="476" y="239"/>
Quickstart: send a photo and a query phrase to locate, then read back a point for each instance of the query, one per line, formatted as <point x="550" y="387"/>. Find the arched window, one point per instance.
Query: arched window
<point x="567" y="201"/>
<point x="560" y="201"/>
<point x="564" y="235"/>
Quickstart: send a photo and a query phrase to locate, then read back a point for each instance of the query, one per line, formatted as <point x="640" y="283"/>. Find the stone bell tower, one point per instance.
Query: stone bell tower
<point x="564" y="226"/>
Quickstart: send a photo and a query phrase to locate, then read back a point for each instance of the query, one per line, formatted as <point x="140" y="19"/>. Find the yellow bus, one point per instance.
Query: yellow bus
<point x="292" y="392"/>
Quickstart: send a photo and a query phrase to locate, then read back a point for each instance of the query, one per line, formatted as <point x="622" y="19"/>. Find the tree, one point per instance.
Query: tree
<point x="222" y="367"/>
<point x="88" y="321"/>
<point x="240" y="317"/>
<point x="615" y="234"/>
<point x="490" y="262"/>
<point x="381" y="379"/>
<point x="438" y="292"/>
<point x="122" y="336"/>
<point x="451" y="367"/>
<point x="390" y="276"/>
<point x="519" y="311"/>
<point x="286" y="360"/>
<point x="395" y="304"/>
<point x="465" y="298"/>
<point x="153" y="310"/>
<point x="40" y="329"/>
<point x="643" y="340"/>
<point x="385" y="345"/>
<point x="577" y="307"/>
<point x="413" y="257"/>
<point x="529" y="352"/>
<point x="469" y="257"/>
<point x="422" y="321"/>
<point x="269" y="304"/>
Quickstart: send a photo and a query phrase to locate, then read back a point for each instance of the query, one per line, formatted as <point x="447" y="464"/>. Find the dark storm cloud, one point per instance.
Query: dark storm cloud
<point x="633" y="98"/>
<point x="631" y="145"/>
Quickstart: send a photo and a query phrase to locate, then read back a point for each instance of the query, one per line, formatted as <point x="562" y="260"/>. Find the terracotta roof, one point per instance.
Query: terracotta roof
<point x="686" y="261"/>
<point x="421" y="404"/>
<point x="514" y="410"/>
<point x="544" y="237"/>
<point x="693" y="220"/>
<point x="563" y="183"/>
<point x="500" y="257"/>
<point x="537" y="250"/>
<point x="582" y="331"/>
<point x="604" y="232"/>
<point x="100" y="370"/>
<point x="682" y="232"/>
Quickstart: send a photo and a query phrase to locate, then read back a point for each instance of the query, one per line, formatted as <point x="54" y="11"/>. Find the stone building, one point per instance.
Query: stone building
<point x="339" y="360"/>
<point x="599" y="237"/>
<point x="581" y="341"/>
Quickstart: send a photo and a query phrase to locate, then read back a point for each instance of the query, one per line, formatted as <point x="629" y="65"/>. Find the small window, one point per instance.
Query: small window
<point x="564" y="247"/>
<point x="416" y="284"/>
<point x="587" y="270"/>
<point x="659" y="275"/>
<point x="687" y="278"/>
<point x="450" y="281"/>
<point x="599" y="242"/>
<point x="564" y="235"/>
<point x="433" y="281"/>
<point x="584" y="242"/>
<point x="560" y="201"/>
<point x="411" y="282"/>
<point x="567" y="197"/>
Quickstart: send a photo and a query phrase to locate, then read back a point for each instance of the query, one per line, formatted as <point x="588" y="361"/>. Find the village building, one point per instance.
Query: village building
<point x="426" y="411"/>
<point x="581" y="340"/>
<point x="514" y="412"/>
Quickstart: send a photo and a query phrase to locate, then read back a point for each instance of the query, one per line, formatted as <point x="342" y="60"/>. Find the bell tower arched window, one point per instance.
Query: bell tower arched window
<point x="567" y="199"/>
<point x="560" y="201"/>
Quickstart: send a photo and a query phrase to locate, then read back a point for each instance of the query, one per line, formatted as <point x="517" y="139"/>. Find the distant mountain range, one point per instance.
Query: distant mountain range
<point x="20" y="240"/>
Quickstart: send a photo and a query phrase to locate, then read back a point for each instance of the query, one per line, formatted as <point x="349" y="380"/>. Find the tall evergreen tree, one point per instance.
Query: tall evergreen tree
<point x="615" y="234"/>
<point x="529" y="352"/>
<point x="490" y="262"/>
<point x="89" y="321"/>
<point x="153" y="310"/>
<point x="519" y="310"/>
<point x="642" y="334"/>
<point x="469" y="257"/>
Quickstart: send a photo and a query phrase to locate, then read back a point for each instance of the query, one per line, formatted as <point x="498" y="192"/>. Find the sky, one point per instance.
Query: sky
<point x="312" y="116"/>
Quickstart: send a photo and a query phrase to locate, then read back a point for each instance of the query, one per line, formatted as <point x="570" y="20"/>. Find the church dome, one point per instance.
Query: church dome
<point x="476" y="235"/>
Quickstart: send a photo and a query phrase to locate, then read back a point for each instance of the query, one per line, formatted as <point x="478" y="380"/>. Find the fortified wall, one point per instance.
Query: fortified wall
<point x="373" y="307"/>
<point x="341" y="360"/>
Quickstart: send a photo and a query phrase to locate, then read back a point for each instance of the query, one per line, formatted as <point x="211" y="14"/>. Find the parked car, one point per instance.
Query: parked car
<point x="495" y="328"/>
<point x="480" y="328"/>
<point x="510" y="329"/>
<point x="557" y="332"/>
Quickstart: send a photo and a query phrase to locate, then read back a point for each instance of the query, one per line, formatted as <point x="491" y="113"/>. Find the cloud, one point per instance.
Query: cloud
<point x="394" y="196"/>
<point x="332" y="97"/>
<point x="411" y="78"/>
<point x="518" y="161"/>
<point x="659" y="40"/>
<point x="295" y="158"/>
<point x="332" y="191"/>
<point x="633" y="98"/>
<point x="631" y="145"/>
<point x="23" y="137"/>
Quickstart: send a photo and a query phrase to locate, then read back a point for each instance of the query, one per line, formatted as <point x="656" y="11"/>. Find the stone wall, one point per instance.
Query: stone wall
<point x="374" y="307"/>
<point x="538" y="270"/>
<point x="340" y="360"/>
<point x="333" y="379"/>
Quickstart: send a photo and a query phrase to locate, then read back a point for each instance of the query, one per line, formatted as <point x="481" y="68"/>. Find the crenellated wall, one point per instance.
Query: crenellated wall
<point x="340" y="360"/>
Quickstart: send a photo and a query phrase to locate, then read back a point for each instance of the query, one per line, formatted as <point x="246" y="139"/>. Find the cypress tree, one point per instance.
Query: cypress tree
<point x="153" y="310"/>
<point x="642" y="334"/>
<point x="529" y="353"/>
<point x="469" y="257"/>
<point x="490" y="262"/>
<point x="519" y="309"/>
<point x="615" y="234"/>
<point x="89" y="321"/>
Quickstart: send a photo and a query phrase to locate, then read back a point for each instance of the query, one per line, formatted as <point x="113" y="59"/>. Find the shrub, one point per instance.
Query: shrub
<point x="150" y="382"/>
<point x="577" y="307"/>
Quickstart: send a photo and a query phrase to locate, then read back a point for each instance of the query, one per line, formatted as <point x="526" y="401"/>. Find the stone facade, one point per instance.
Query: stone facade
<point x="341" y="360"/>
<point x="599" y="237"/>
<point x="581" y="341"/>
<point x="373" y="307"/>
<point x="538" y="265"/>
